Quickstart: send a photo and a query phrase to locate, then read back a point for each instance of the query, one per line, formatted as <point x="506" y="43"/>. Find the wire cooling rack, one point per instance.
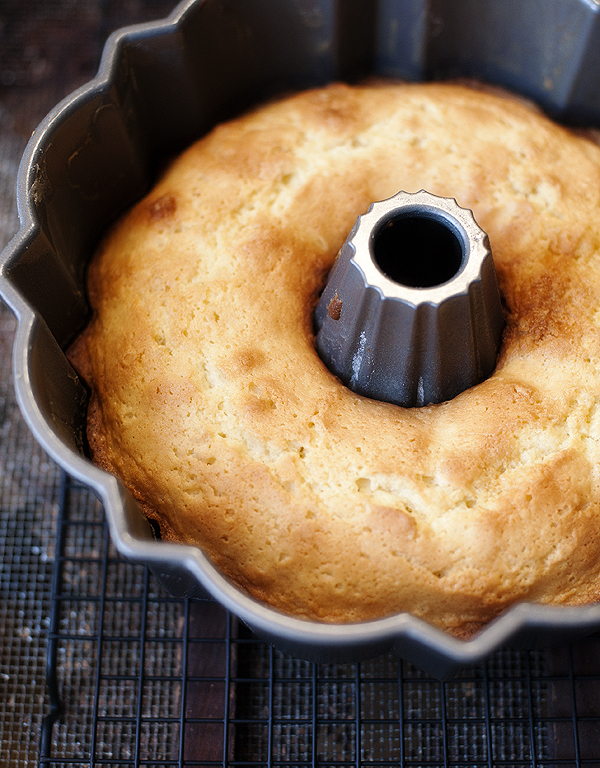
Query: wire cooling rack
<point x="138" y="678"/>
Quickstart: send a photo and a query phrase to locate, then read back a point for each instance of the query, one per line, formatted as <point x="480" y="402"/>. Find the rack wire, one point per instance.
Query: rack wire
<point x="139" y="678"/>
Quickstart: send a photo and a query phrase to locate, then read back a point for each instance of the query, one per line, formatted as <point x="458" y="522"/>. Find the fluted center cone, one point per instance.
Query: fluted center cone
<point x="411" y="313"/>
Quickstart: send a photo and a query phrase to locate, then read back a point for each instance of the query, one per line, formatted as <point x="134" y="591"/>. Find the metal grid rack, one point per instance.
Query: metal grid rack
<point x="138" y="678"/>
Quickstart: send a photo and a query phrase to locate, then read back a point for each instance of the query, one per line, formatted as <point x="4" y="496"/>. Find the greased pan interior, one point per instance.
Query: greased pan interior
<point x="161" y="85"/>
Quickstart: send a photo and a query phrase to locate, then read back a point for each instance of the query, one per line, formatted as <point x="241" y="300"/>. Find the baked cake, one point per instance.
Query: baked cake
<point x="210" y="402"/>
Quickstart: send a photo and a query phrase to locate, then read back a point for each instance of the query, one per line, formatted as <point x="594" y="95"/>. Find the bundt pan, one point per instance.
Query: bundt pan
<point x="163" y="84"/>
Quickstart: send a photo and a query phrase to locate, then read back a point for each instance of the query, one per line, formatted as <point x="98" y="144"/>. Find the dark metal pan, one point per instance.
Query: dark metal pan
<point x="163" y="84"/>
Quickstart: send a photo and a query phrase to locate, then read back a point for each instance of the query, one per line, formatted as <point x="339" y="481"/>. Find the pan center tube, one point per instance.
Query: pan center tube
<point x="411" y="313"/>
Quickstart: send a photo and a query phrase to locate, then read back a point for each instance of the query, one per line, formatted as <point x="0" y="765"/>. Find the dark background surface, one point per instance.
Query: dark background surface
<point x="148" y="680"/>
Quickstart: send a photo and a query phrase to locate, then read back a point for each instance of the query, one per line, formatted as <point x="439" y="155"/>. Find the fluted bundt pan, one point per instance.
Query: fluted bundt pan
<point x="160" y="86"/>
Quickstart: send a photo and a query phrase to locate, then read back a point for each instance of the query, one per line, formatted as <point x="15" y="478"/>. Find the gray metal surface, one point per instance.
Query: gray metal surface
<point x="411" y="313"/>
<point x="162" y="84"/>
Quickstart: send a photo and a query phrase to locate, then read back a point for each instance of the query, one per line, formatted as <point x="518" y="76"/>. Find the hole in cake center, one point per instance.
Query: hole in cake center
<point x="417" y="250"/>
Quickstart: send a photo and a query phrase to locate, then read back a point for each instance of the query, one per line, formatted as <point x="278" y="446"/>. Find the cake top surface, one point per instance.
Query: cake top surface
<point x="210" y="400"/>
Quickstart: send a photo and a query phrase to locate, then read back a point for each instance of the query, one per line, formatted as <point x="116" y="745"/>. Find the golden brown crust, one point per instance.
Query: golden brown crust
<point x="210" y="401"/>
